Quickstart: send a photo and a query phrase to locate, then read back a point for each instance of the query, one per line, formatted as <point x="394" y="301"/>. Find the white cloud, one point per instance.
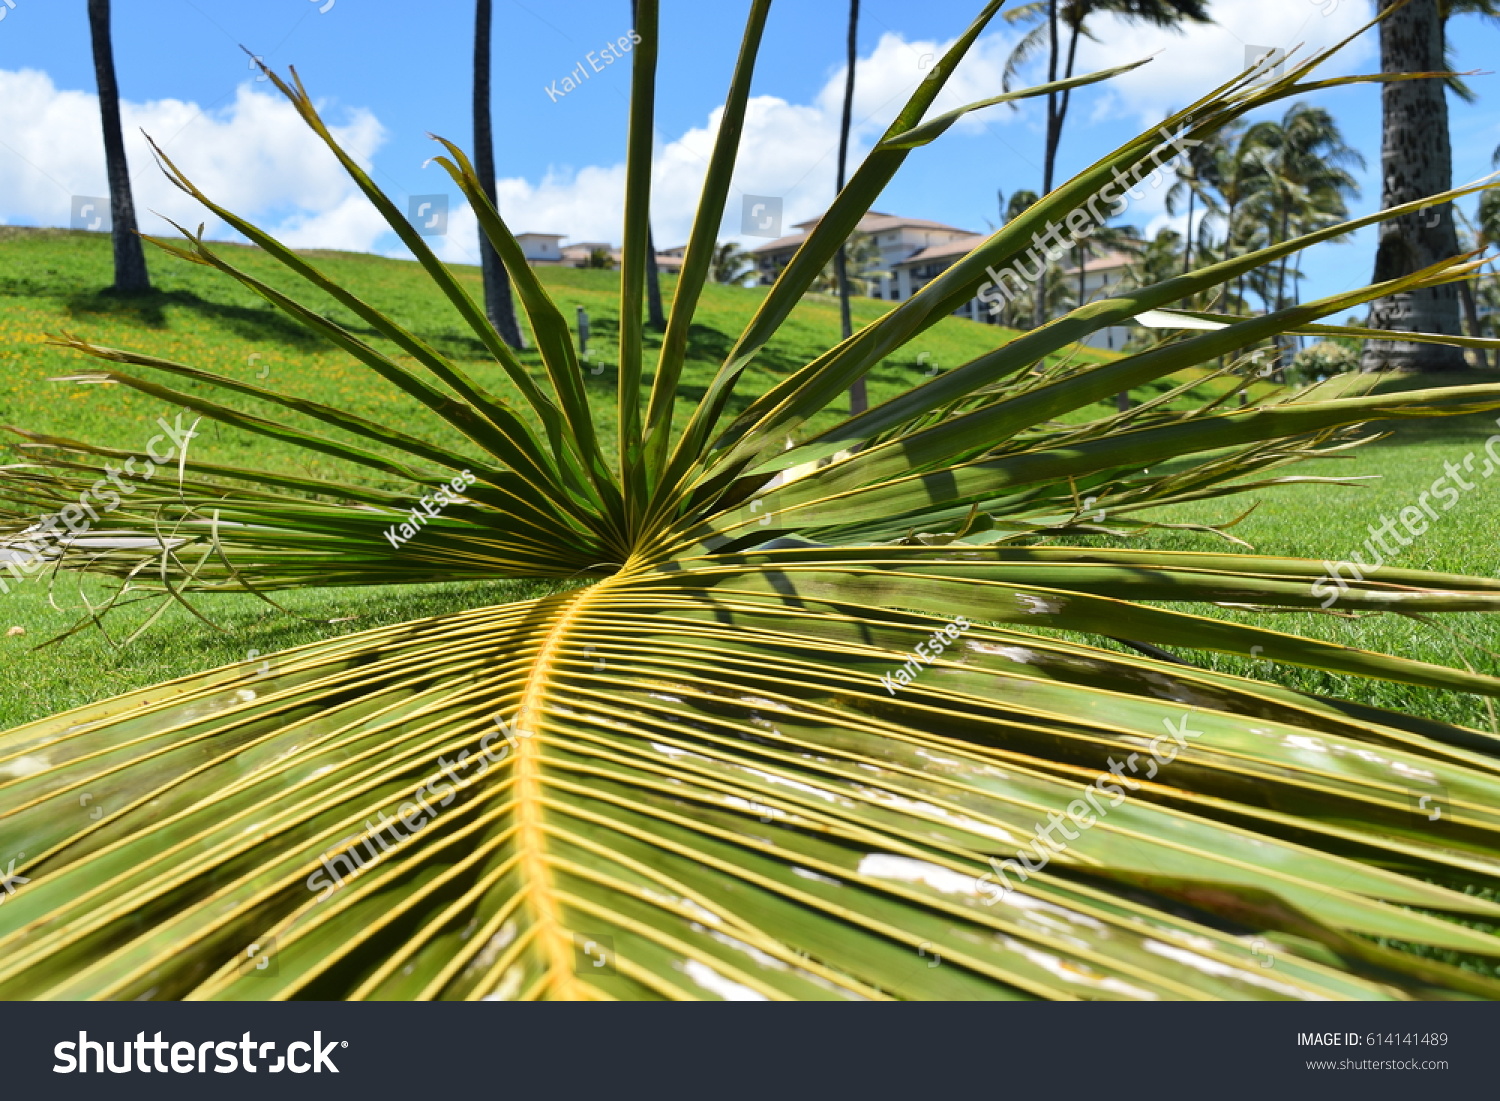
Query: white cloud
<point x="254" y="156"/>
<point x="788" y="151"/>
<point x="886" y="79"/>
<point x="1203" y="56"/>
<point x="257" y="157"/>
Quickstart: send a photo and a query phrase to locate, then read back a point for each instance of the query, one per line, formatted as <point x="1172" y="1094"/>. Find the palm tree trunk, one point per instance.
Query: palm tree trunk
<point x="859" y="399"/>
<point x="1416" y="161"/>
<point x="1187" y="251"/>
<point x="1286" y="216"/>
<point x="654" y="315"/>
<point x="131" y="276"/>
<point x="1066" y="96"/>
<point x="1052" y="100"/>
<point x="499" y="306"/>
<point x="1049" y="156"/>
<point x="1471" y="321"/>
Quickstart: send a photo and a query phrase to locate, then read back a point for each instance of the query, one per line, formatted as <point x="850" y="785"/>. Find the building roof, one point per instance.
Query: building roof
<point x="530" y="233"/>
<point x="1110" y="261"/>
<point x="876" y="220"/>
<point x="585" y="249"/>
<point x="873" y="222"/>
<point x="957" y="247"/>
<point x="807" y="225"/>
<point x="781" y="243"/>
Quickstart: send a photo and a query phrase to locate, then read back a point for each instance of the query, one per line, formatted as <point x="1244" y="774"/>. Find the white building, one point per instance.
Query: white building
<point x="923" y="266"/>
<point x="897" y="238"/>
<point x="547" y="249"/>
<point x="541" y="248"/>
<point x="1101" y="275"/>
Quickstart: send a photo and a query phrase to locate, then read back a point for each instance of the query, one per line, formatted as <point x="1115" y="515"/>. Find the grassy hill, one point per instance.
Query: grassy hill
<point x="49" y="282"/>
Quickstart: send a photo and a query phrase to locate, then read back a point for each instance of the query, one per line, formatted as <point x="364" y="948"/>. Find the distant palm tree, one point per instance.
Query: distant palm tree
<point x="656" y="317"/>
<point x="1297" y="181"/>
<point x="861" y="271"/>
<point x="1416" y="161"/>
<point x="1484" y="236"/>
<point x="131" y="276"/>
<point x="1104" y="239"/>
<point x="1302" y="177"/>
<point x="1234" y="169"/>
<point x="1122" y="239"/>
<point x="499" y="306"/>
<point x="1154" y="262"/>
<point x="1489" y="220"/>
<point x="1197" y="180"/>
<point x="1020" y="202"/>
<point x="1071" y="17"/>
<point x="858" y="398"/>
<point x="729" y="264"/>
<point x="1490" y="10"/>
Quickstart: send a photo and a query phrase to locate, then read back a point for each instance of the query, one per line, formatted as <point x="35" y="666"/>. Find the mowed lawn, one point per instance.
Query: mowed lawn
<point x="49" y="282"/>
<point x="1330" y="523"/>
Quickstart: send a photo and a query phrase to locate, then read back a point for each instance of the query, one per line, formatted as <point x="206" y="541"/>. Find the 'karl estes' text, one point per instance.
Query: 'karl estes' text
<point x="612" y="52"/>
<point x="925" y="651"/>
<point x="441" y="497"/>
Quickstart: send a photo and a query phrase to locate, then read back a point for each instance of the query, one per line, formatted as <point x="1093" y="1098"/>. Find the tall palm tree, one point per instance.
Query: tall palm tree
<point x="131" y="276"/>
<point x="1416" y="160"/>
<point x="858" y="397"/>
<point x="656" y="317"/>
<point x="499" y="306"/>
<point x="1054" y="18"/>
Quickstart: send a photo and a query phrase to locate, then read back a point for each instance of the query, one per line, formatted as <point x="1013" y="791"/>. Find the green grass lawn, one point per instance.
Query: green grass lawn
<point x="48" y="285"/>
<point x="1329" y="522"/>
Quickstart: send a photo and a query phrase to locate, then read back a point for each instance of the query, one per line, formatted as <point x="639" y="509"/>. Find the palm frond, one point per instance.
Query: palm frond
<point x="792" y="721"/>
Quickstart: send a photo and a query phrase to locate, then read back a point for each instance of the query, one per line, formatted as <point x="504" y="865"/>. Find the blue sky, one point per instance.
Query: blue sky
<point x="385" y="73"/>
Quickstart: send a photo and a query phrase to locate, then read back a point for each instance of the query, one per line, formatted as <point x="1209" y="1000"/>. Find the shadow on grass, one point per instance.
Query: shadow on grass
<point x="1461" y="430"/>
<point x="149" y="311"/>
<point x="259" y="324"/>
